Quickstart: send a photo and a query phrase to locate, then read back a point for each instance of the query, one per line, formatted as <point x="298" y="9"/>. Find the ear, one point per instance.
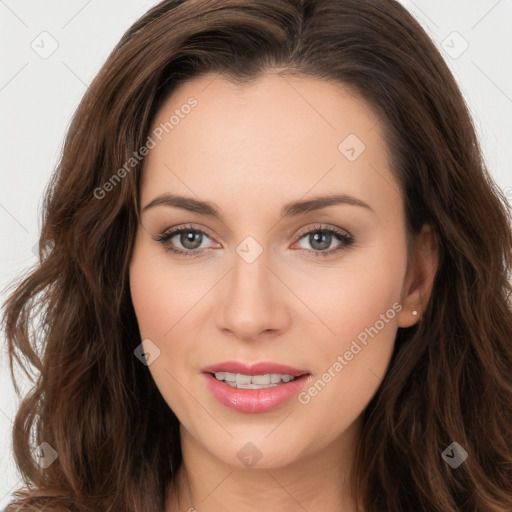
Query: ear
<point x="420" y="276"/>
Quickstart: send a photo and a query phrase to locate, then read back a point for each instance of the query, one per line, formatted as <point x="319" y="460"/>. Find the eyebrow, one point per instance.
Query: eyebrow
<point x="291" y="209"/>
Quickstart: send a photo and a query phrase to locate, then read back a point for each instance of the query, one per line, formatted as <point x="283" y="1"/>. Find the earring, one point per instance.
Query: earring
<point x="414" y="312"/>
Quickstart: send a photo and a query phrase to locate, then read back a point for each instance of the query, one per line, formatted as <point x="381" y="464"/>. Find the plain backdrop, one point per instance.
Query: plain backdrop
<point x="51" y="50"/>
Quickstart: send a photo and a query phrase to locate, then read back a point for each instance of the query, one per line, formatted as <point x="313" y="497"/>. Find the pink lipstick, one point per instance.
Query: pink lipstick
<point x="255" y="387"/>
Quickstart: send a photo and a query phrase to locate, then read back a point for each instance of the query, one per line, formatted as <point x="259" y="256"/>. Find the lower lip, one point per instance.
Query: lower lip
<point x="254" y="400"/>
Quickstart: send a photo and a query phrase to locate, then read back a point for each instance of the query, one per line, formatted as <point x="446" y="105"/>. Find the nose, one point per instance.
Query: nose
<point x="254" y="301"/>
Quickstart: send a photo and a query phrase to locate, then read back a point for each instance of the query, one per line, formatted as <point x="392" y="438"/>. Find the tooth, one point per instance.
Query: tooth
<point x="242" y="379"/>
<point x="261" y="379"/>
<point x="247" y="381"/>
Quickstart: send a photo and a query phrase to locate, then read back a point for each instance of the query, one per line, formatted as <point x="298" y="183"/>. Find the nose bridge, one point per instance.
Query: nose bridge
<point x="250" y="272"/>
<point x="250" y="284"/>
<point x="251" y="302"/>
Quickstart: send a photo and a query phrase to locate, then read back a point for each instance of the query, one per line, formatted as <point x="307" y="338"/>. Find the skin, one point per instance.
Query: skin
<point x="250" y="150"/>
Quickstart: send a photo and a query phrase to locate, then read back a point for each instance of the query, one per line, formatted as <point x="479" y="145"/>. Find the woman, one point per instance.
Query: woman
<point x="273" y="275"/>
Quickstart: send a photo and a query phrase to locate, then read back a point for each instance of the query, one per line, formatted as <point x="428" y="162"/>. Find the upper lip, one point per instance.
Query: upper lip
<point x="261" y="368"/>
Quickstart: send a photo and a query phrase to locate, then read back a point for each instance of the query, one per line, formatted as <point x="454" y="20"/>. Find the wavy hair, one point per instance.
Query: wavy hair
<point x="70" y="322"/>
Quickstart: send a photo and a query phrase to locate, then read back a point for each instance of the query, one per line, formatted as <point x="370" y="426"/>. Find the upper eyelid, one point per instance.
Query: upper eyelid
<point x="316" y="227"/>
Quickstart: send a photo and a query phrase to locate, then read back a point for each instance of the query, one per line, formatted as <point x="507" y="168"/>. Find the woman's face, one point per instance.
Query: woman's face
<point x="266" y="281"/>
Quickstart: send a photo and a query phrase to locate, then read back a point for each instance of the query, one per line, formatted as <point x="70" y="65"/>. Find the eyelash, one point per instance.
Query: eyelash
<point x="346" y="239"/>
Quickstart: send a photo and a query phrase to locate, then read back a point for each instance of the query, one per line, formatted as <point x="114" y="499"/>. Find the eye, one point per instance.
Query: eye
<point x="192" y="241"/>
<point x="320" y="238"/>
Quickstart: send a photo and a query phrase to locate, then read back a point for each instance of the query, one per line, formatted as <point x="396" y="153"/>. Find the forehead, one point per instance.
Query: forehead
<point x="274" y="140"/>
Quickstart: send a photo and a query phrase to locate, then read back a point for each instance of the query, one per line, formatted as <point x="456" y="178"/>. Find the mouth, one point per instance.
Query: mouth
<point x="255" y="375"/>
<point x="254" y="388"/>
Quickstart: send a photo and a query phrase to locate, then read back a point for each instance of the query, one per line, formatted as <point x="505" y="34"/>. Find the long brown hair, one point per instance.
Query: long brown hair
<point x="71" y="323"/>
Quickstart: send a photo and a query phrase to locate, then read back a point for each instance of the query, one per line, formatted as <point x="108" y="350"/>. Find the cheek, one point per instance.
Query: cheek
<point x="358" y="306"/>
<point x="353" y="296"/>
<point x="170" y="302"/>
<point x="162" y="294"/>
<point x="159" y="306"/>
<point x="350" y="366"/>
<point x="148" y="297"/>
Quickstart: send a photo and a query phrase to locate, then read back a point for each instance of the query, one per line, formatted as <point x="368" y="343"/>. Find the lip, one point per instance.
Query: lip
<point x="254" y="400"/>
<point x="254" y="369"/>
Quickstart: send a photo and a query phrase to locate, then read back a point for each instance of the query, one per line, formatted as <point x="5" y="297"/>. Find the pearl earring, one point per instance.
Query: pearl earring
<point x="414" y="312"/>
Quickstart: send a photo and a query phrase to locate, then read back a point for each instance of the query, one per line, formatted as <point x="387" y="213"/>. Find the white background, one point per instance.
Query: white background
<point x="39" y="95"/>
